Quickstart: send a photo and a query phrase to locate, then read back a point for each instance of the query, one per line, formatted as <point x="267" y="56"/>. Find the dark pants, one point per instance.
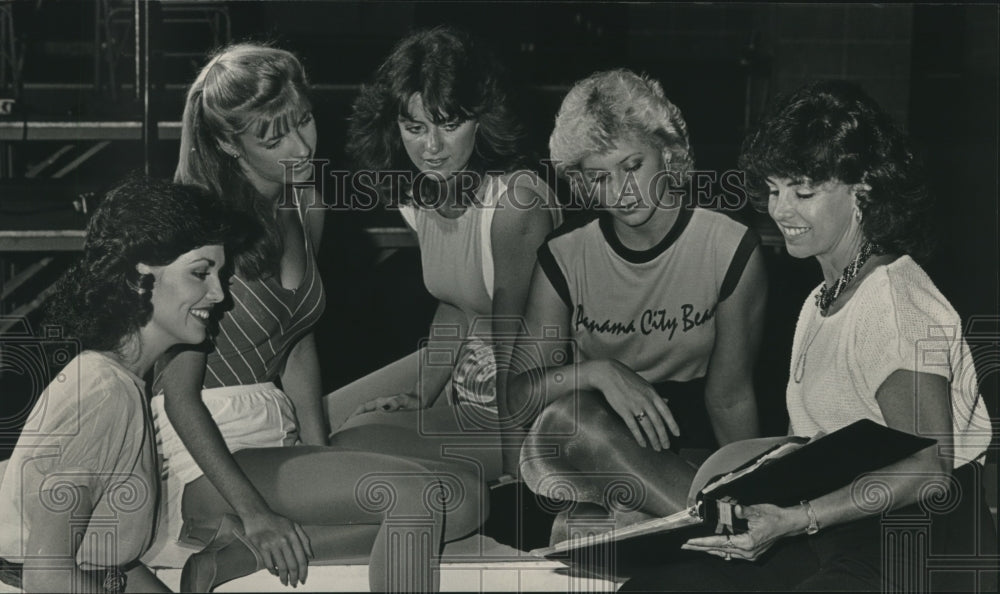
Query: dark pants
<point x="687" y="403"/>
<point x="961" y="556"/>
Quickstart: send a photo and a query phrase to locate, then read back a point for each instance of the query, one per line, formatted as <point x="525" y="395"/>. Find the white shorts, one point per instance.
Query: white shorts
<point x="253" y="416"/>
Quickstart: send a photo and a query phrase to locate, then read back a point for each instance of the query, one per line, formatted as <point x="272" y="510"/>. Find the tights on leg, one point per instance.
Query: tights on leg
<point x="579" y="440"/>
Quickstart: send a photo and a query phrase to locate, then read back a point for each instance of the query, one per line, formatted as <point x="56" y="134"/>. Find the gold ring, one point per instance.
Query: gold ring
<point x="640" y="416"/>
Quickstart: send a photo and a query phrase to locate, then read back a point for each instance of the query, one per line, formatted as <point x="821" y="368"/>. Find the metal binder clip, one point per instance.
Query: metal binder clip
<point x="724" y="506"/>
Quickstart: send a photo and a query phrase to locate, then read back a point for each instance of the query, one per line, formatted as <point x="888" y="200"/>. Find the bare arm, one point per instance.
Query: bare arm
<point x="448" y="330"/>
<point x="545" y="312"/>
<point x="739" y="323"/>
<point x="301" y="380"/>
<point x="534" y="388"/>
<point x="447" y="333"/>
<point x="918" y="403"/>
<point x="520" y="225"/>
<point x="182" y="379"/>
<point x="300" y="377"/>
<point x="273" y="535"/>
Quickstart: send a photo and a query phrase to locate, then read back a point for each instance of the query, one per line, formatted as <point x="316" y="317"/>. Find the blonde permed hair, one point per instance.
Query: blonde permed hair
<point x="614" y="105"/>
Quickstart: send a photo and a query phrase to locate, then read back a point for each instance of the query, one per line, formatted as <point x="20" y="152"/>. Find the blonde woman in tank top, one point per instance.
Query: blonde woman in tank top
<point x="232" y="480"/>
<point x="664" y="304"/>
<point x="437" y="112"/>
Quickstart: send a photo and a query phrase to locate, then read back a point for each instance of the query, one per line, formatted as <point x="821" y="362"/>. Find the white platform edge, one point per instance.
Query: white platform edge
<point x="510" y="576"/>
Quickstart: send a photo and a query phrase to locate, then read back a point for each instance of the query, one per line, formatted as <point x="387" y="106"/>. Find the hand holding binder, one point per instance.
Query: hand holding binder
<point x="751" y="485"/>
<point x="766" y="524"/>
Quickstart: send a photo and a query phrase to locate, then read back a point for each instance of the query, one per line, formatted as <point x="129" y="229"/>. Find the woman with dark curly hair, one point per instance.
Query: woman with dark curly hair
<point x="436" y="127"/>
<point x="233" y="482"/>
<point x="148" y="279"/>
<point x="878" y="341"/>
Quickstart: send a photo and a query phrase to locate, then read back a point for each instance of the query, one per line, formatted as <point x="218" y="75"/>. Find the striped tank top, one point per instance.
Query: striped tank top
<point x="265" y="322"/>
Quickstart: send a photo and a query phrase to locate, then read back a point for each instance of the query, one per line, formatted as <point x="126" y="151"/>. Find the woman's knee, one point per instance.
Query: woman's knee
<point x="594" y="427"/>
<point x="563" y="426"/>
<point x="561" y="419"/>
<point x="542" y="447"/>
<point x="452" y="495"/>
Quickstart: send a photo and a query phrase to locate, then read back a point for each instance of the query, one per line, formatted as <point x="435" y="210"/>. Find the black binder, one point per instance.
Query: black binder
<point x="784" y="474"/>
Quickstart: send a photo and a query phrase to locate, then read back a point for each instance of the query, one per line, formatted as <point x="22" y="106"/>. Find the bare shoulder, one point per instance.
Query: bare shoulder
<point x="527" y="201"/>
<point x="529" y="186"/>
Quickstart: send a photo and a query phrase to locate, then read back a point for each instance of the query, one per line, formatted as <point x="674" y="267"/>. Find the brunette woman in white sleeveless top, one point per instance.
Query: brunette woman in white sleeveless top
<point x="437" y="111"/>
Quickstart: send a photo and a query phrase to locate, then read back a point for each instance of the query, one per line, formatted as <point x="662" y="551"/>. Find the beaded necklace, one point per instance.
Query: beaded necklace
<point x="826" y="295"/>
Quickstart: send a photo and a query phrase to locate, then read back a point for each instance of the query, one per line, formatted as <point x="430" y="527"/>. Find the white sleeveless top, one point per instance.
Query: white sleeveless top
<point x="457" y="259"/>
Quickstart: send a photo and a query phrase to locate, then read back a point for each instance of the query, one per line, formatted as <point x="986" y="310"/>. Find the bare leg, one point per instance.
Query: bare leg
<point x="583" y="447"/>
<point x="443" y="433"/>
<point x="330" y="492"/>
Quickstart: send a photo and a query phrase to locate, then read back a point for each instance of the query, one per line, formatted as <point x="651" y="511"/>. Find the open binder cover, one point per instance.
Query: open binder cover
<point x="793" y="470"/>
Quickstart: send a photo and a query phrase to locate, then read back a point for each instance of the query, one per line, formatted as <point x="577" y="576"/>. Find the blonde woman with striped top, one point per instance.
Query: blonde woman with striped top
<point x="224" y="423"/>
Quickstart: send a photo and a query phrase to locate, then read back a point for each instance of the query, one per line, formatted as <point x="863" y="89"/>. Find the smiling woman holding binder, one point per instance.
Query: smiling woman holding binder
<point x="879" y="342"/>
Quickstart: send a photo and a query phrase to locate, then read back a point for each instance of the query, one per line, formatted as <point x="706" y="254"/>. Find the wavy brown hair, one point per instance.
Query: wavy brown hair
<point x="456" y="78"/>
<point x="832" y="130"/>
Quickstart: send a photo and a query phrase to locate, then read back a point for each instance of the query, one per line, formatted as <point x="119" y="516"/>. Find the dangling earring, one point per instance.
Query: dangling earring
<point x="858" y="216"/>
<point x="143" y="285"/>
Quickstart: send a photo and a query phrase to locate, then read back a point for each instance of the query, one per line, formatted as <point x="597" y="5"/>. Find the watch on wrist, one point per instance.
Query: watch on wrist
<point x="813" y="526"/>
<point x="114" y="581"/>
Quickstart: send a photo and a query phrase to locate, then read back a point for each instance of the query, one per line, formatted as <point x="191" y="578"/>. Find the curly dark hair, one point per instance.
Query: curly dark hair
<point x="455" y="77"/>
<point x="832" y="130"/>
<point x="102" y="299"/>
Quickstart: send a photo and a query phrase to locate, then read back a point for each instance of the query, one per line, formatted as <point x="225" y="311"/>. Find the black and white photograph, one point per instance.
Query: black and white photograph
<point x="512" y="296"/>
